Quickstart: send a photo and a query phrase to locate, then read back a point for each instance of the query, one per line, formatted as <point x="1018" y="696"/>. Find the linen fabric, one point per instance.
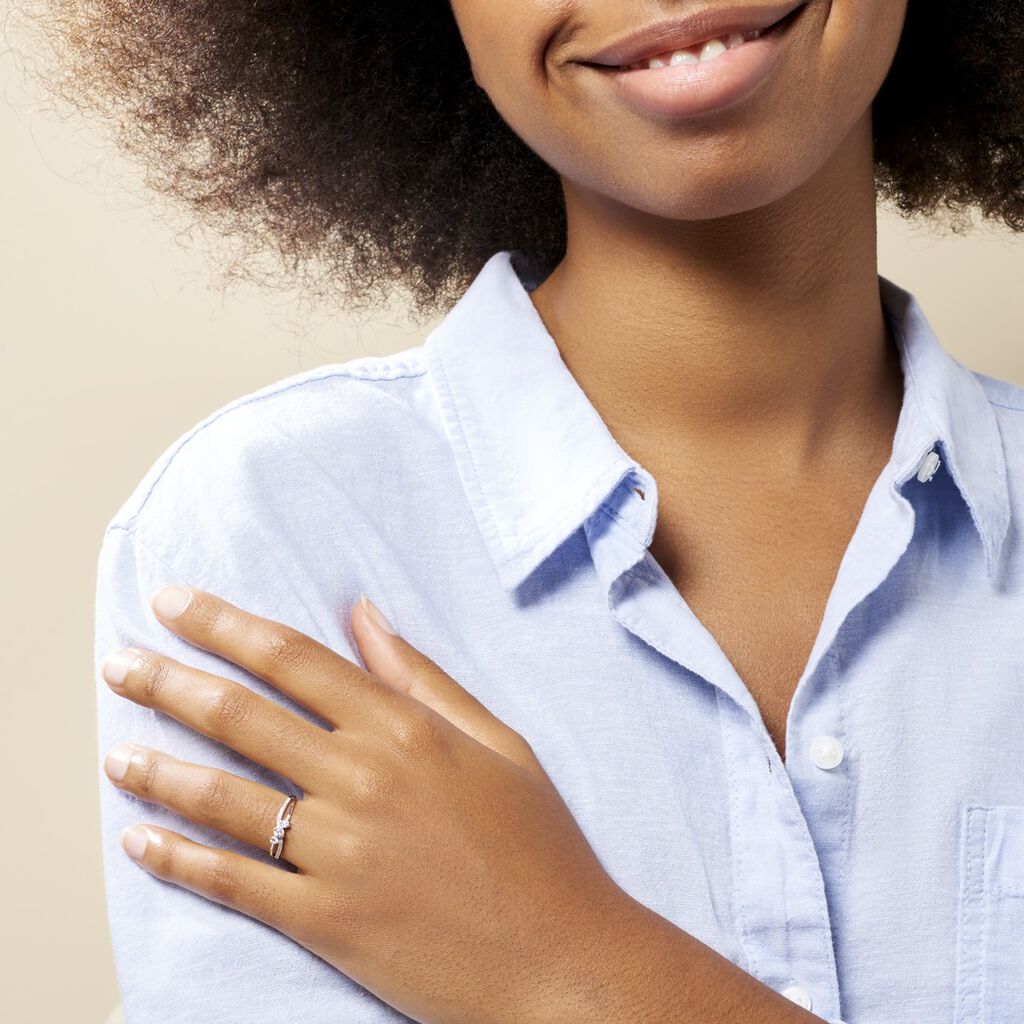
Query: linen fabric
<point x="469" y="487"/>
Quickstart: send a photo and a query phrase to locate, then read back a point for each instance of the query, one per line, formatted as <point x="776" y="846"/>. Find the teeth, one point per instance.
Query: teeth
<point x="712" y="48"/>
<point x="697" y="54"/>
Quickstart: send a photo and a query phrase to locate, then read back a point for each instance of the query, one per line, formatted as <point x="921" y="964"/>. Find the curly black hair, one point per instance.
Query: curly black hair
<point x="352" y="140"/>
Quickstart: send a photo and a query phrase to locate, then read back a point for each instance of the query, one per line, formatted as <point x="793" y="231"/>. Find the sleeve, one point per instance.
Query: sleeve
<point x="180" y="958"/>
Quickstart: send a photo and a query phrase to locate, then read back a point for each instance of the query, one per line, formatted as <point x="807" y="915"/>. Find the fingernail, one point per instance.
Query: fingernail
<point x="134" y="841"/>
<point x="170" y="602"/>
<point x="117" y="762"/>
<point x="377" y="615"/>
<point x="115" y="666"/>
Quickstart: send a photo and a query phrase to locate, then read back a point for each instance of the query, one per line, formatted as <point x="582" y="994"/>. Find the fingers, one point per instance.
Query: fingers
<point x="238" y="807"/>
<point x="331" y="686"/>
<point x="406" y="669"/>
<point x="230" y="713"/>
<point x="259" y="890"/>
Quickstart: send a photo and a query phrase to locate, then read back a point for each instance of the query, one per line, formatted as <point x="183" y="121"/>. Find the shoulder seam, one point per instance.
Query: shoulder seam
<point x="1012" y="408"/>
<point x="141" y="544"/>
<point x="135" y="537"/>
<point x="400" y="371"/>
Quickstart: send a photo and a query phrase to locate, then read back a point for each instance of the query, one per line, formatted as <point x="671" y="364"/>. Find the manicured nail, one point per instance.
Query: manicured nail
<point x="170" y="602"/>
<point x="134" y="841"/>
<point x="117" y="761"/>
<point x="377" y="615"/>
<point x="117" y="665"/>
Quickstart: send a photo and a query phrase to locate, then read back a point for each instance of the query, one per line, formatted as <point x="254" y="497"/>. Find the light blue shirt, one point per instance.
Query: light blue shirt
<point x="471" y="489"/>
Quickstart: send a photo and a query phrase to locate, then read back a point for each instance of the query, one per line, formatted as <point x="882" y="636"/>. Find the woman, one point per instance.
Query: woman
<point x="703" y="554"/>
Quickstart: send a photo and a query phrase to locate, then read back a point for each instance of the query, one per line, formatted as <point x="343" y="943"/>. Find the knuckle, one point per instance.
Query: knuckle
<point x="221" y="881"/>
<point x="226" y="709"/>
<point x="359" y="855"/>
<point x="209" y="618"/>
<point x="285" y="648"/>
<point x="146" y="768"/>
<point x="413" y="733"/>
<point x="204" y="614"/>
<point x="212" y="794"/>
<point x="161" y="855"/>
<point x="153" y="677"/>
<point x="369" y="785"/>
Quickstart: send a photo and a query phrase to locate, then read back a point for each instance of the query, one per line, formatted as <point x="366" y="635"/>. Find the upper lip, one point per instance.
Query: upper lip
<point x="680" y="33"/>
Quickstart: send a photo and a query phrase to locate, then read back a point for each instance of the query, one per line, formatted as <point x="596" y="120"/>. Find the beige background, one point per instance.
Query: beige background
<point x="114" y="342"/>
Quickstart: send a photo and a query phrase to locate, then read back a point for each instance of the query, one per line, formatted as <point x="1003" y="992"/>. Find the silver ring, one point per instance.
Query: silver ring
<point x="284" y="820"/>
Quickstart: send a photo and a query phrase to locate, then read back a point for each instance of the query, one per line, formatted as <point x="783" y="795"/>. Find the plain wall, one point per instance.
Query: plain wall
<point x="113" y="344"/>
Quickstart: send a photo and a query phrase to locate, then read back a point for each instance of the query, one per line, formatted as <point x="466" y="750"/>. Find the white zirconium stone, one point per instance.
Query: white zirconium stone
<point x="929" y="464"/>
<point x="826" y="751"/>
<point x="279" y="828"/>
<point x="799" y="995"/>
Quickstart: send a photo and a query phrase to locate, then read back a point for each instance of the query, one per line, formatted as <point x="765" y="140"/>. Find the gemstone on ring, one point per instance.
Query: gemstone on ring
<point x="283" y="822"/>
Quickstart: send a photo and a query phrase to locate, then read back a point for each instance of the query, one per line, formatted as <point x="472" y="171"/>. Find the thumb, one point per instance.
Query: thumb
<point x="395" y="662"/>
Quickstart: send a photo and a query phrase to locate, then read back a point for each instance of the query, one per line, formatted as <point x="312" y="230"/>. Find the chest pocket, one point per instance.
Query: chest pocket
<point x="990" y="927"/>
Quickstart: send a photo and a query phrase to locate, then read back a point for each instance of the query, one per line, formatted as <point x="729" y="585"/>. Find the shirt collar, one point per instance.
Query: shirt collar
<point x="956" y="415"/>
<point x="536" y="460"/>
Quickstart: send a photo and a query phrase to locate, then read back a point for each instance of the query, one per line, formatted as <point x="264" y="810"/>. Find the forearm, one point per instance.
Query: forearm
<point x="636" y="966"/>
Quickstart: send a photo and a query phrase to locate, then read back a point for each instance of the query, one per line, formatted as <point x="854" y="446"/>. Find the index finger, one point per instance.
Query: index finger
<point x="325" y="682"/>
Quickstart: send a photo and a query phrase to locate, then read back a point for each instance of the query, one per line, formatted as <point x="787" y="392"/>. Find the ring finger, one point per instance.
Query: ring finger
<point x="209" y="796"/>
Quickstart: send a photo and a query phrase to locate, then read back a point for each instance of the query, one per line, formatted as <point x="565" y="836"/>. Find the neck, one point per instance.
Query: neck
<point x="763" y="327"/>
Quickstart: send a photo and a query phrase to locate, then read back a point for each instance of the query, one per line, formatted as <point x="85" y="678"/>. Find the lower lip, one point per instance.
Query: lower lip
<point x="683" y="90"/>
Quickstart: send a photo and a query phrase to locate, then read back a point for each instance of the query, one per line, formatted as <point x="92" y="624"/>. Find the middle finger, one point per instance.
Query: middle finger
<point x="233" y="715"/>
<point x="337" y="689"/>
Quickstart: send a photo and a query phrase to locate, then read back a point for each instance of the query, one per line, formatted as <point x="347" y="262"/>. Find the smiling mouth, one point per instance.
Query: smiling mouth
<point x="705" y="50"/>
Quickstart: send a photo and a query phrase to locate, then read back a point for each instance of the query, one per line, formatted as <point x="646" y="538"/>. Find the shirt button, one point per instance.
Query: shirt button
<point x="826" y="751"/>
<point x="799" y="995"/>
<point x="929" y="464"/>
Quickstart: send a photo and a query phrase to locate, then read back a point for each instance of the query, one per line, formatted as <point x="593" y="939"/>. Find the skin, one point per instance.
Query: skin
<point x="718" y="304"/>
<point x="718" y="301"/>
<point x="414" y="780"/>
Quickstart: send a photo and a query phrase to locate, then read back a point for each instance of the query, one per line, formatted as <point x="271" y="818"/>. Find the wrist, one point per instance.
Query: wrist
<point x="593" y="966"/>
<point x="627" y="963"/>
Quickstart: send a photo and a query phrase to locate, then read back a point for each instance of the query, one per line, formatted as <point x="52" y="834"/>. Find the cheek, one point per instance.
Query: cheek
<point x="533" y="101"/>
<point x="502" y="41"/>
<point x="858" y="46"/>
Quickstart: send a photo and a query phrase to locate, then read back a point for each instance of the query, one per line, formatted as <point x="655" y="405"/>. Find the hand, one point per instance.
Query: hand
<point x="434" y="861"/>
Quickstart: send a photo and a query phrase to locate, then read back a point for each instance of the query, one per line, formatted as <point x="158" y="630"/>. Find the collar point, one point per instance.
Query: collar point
<point x="511" y="575"/>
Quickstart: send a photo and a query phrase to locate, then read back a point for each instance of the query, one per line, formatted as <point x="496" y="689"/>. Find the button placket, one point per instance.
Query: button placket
<point x="779" y="892"/>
